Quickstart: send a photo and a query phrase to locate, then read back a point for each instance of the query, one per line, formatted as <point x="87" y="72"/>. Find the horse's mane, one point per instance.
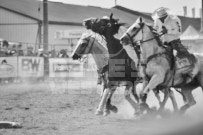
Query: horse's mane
<point x="100" y="39"/>
<point x="155" y="33"/>
<point x="160" y="44"/>
<point x="121" y="31"/>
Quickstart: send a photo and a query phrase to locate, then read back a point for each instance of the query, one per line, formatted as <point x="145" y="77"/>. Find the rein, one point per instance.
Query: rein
<point x="136" y="44"/>
<point x="141" y="41"/>
<point x="101" y="31"/>
<point x="114" y="53"/>
<point x="92" y="43"/>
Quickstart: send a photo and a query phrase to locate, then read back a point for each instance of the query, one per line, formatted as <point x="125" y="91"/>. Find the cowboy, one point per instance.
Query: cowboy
<point x="169" y="28"/>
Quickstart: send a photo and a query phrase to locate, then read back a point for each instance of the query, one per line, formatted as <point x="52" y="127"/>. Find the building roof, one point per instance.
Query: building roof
<point x="143" y="14"/>
<point x="185" y="21"/>
<point x="191" y="34"/>
<point x="59" y="13"/>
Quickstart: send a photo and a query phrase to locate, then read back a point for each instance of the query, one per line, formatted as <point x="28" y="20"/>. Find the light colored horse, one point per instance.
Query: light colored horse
<point x="158" y="63"/>
<point x="90" y="45"/>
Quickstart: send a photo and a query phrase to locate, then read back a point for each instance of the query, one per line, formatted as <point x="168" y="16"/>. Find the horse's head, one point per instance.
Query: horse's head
<point x="103" y="25"/>
<point x="134" y="34"/>
<point x="83" y="47"/>
<point x="137" y="34"/>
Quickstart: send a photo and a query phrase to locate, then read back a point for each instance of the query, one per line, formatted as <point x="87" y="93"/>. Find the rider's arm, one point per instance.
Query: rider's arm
<point x="175" y="27"/>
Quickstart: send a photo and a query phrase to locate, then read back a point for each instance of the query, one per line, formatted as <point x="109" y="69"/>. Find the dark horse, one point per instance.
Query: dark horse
<point x="121" y="70"/>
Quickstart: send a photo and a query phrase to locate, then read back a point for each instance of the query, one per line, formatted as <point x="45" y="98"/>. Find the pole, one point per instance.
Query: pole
<point x="201" y="17"/>
<point x="45" y="25"/>
<point x="45" y="36"/>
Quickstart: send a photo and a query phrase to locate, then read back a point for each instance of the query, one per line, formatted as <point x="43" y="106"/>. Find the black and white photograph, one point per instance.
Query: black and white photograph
<point x="101" y="67"/>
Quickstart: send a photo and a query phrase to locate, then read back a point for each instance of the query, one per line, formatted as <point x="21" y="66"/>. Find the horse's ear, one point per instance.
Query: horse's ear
<point x="111" y="16"/>
<point x="141" y="21"/>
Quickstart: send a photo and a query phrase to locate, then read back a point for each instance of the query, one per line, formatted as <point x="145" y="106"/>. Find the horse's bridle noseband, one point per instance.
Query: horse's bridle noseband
<point x="137" y="43"/>
<point x="90" y="48"/>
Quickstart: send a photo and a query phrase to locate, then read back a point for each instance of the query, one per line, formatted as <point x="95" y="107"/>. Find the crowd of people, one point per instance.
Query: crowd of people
<point x="9" y="49"/>
<point x="18" y="49"/>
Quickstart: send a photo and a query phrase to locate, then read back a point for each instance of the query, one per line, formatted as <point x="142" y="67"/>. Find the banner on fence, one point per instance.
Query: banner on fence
<point x="8" y="67"/>
<point x="65" y="67"/>
<point x="31" y="66"/>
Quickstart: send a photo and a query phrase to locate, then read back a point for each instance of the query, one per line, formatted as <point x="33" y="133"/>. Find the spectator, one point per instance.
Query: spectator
<point x="5" y="49"/>
<point x="14" y="51"/>
<point x="41" y="53"/>
<point x="30" y="51"/>
<point x="63" y="54"/>
<point x="20" y="50"/>
<point x="5" y="79"/>
<point x="5" y="43"/>
<point x="52" y="53"/>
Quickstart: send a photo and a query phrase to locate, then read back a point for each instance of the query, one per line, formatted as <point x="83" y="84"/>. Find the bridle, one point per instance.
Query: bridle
<point x="101" y="30"/>
<point x="89" y="46"/>
<point x="137" y="43"/>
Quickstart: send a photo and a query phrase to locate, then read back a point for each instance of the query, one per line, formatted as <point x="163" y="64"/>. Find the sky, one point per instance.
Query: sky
<point x="176" y="6"/>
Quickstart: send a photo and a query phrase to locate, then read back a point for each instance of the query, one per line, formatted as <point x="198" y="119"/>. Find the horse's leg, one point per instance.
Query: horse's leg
<point x="104" y="87"/>
<point x="103" y="102"/>
<point x="166" y="96"/>
<point x="156" y="79"/>
<point x="108" y="103"/>
<point x="128" y="98"/>
<point x="173" y="100"/>
<point x="134" y="93"/>
<point x="154" y="82"/>
<point x="190" y="101"/>
<point x="156" y="93"/>
<point x="108" y="106"/>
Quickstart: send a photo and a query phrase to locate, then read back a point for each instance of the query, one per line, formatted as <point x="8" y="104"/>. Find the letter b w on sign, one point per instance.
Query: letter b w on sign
<point x="30" y="64"/>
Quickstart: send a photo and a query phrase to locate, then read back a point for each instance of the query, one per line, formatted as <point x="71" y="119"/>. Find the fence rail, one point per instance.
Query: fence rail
<point x="23" y="66"/>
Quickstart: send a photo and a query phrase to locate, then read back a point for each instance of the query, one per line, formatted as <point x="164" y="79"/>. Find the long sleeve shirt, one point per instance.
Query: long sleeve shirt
<point x="173" y="26"/>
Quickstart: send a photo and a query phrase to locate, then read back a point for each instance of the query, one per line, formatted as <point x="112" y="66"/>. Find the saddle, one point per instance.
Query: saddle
<point x="183" y="62"/>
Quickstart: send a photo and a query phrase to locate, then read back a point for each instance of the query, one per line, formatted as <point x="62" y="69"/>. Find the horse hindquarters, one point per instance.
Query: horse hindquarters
<point x="187" y="93"/>
<point x="187" y="89"/>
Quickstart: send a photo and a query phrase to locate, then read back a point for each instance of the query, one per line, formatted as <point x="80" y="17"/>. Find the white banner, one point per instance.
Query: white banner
<point x="68" y="34"/>
<point x="31" y="66"/>
<point x="8" y="67"/>
<point x="73" y="33"/>
<point x="65" y="67"/>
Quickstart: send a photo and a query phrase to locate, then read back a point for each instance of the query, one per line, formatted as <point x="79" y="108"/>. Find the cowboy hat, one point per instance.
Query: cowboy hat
<point x="160" y="12"/>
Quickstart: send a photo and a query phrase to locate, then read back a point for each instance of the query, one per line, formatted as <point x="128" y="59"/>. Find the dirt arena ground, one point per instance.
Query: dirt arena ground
<point x="43" y="110"/>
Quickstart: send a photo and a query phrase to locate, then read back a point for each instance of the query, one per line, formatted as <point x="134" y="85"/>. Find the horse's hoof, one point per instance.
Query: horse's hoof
<point x="137" y="115"/>
<point x="114" y="109"/>
<point x="99" y="112"/>
<point x="106" y="112"/>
